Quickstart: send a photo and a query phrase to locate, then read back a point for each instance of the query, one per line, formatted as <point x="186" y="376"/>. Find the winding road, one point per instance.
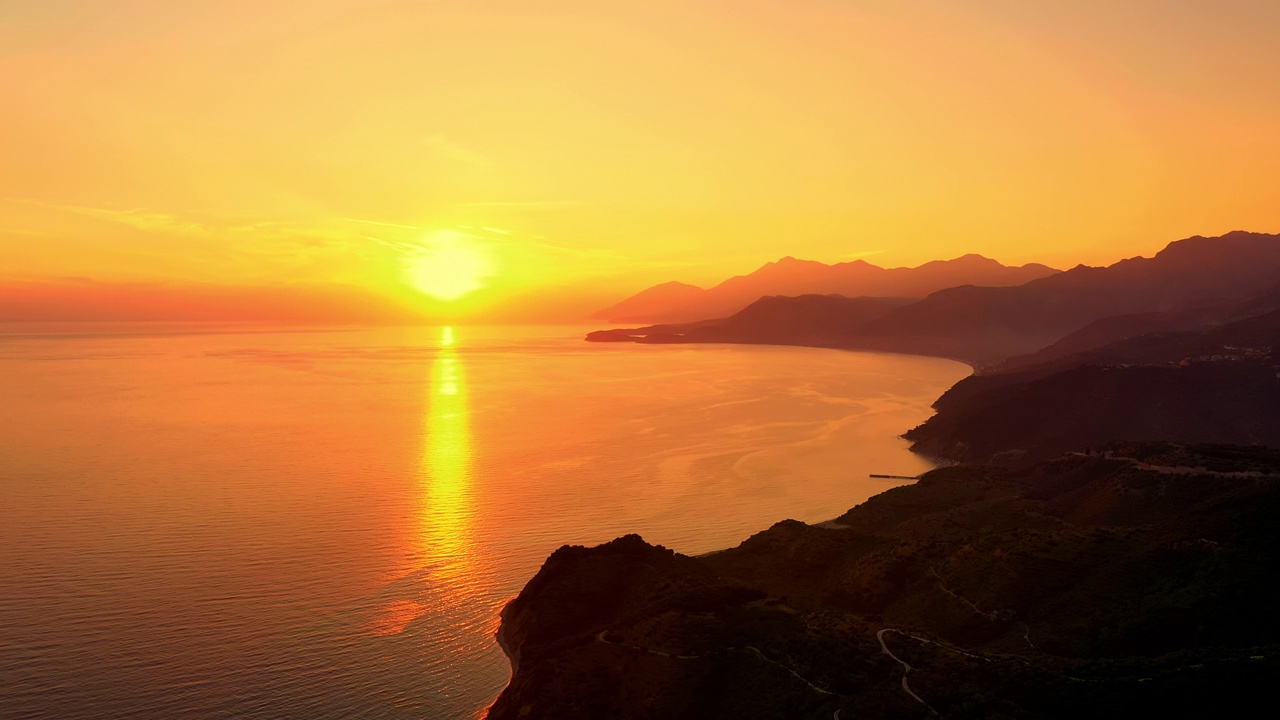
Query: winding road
<point x="906" y="669"/>
<point x="600" y="637"/>
<point x="1026" y="629"/>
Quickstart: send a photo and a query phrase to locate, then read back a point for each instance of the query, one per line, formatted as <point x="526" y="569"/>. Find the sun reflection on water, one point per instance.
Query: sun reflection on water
<point x="444" y="524"/>
<point x="447" y="517"/>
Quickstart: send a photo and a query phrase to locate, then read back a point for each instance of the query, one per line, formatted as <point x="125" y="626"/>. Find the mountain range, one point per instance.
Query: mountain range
<point x="1105" y="546"/>
<point x="985" y="326"/>
<point x="679" y="302"/>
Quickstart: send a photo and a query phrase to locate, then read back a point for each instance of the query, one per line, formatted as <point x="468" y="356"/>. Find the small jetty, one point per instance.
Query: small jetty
<point x="895" y="477"/>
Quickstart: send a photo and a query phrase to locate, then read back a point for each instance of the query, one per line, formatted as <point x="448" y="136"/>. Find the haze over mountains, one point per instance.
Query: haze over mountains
<point x="1110" y="551"/>
<point x="987" y="325"/>
<point x="1220" y="385"/>
<point x="679" y="302"/>
<point x="1183" y="346"/>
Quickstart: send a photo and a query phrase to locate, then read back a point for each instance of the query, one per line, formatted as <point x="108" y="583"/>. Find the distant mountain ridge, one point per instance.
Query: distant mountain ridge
<point x="1108" y="548"/>
<point x="680" y="302"/>
<point x="989" y="324"/>
<point x="1192" y="283"/>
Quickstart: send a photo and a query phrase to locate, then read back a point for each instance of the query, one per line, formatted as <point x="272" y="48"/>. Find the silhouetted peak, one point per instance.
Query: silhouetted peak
<point x="633" y="544"/>
<point x="969" y="262"/>
<point x="1236" y="239"/>
<point x="975" y="258"/>
<point x="792" y="262"/>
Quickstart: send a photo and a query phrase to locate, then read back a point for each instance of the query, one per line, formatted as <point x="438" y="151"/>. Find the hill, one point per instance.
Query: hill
<point x="1076" y="587"/>
<point x="1101" y="333"/>
<point x="1220" y="384"/>
<point x="989" y="324"/>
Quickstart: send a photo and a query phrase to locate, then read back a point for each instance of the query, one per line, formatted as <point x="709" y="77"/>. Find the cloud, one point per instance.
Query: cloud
<point x="382" y="224"/>
<point x="525" y="205"/>
<point x="452" y="150"/>
<point x="136" y="218"/>
<point x="860" y="254"/>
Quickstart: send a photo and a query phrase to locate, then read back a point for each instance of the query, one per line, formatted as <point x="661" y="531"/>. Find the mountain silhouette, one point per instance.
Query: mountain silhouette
<point x="989" y="324"/>
<point x="1192" y="283"/>
<point x="678" y="302"/>
<point x="1215" y="385"/>
<point x="771" y="320"/>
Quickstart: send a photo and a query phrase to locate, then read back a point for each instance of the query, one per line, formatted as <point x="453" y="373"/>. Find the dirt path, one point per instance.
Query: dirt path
<point x="600" y="637"/>
<point x="906" y="669"/>
<point x="1026" y="629"/>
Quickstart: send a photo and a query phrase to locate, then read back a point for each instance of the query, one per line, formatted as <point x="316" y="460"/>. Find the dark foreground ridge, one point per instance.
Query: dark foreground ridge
<point x="1139" y="585"/>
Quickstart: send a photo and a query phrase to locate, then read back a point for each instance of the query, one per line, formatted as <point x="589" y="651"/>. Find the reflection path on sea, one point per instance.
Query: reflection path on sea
<point x="327" y="524"/>
<point x="443" y="576"/>
<point x="447" y="522"/>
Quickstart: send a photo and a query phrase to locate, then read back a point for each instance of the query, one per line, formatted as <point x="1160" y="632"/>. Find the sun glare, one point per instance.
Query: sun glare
<point x="449" y="272"/>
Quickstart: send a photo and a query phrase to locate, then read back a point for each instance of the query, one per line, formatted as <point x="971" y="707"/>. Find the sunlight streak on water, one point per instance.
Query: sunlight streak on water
<point x="443" y="540"/>
<point x="326" y="524"/>
<point x="448" y="512"/>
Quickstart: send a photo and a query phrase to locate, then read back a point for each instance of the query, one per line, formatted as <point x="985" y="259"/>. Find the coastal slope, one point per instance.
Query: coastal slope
<point x="1078" y="586"/>
<point x="1220" y="384"/>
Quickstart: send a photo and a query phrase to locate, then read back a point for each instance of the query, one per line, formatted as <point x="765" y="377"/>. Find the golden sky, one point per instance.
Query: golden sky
<point x="565" y="152"/>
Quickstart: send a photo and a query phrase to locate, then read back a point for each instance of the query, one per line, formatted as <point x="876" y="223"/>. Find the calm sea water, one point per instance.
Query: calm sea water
<point x="204" y="523"/>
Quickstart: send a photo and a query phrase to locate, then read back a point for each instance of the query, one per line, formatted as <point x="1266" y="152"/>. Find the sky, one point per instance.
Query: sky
<point x="538" y="160"/>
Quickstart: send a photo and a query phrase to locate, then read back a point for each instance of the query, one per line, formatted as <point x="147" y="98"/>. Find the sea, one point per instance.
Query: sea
<point x="219" y="521"/>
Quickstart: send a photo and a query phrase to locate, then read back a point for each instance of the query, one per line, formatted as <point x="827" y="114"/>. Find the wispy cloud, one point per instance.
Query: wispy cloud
<point x="136" y="218"/>
<point x="861" y="254"/>
<point x="397" y="245"/>
<point x="453" y="150"/>
<point x="525" y="205"/>
<point x="382" y="224"/>
<point x="288" y="242"/>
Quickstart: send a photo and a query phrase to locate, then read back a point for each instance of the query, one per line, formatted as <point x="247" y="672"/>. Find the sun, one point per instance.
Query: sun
<point x="448" y="272"/>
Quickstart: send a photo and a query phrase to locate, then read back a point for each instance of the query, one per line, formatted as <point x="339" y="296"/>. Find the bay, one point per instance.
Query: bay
<point x="215" y="521"/>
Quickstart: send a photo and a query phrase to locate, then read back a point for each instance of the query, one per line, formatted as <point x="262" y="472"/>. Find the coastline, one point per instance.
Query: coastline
<point x="973" y="364"/>
<point x="500" y="635"/>
<point x="513" y="657"/>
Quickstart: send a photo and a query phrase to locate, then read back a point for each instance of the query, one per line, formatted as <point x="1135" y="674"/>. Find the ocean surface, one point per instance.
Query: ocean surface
<point x="218" y="522"/>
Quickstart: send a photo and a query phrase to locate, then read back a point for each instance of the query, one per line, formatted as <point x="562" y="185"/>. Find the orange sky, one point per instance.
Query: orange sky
<point x="573" y="152"/>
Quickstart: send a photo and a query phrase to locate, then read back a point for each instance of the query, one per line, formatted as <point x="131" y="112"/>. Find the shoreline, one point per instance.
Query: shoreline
<point x="974" y="365"/>
<point x="513" y="658"/>
<point x="939" y="462"/>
